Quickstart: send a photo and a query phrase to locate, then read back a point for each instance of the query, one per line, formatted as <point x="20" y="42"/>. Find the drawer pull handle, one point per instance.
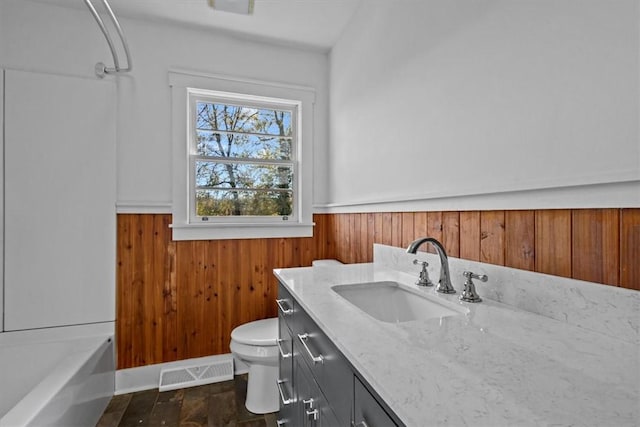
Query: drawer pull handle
<point x="282" y="353"/>
<point x="316" y="359"/>
<point x="285" y="401"/>
<point x="313" y="415"/>
<point x="285" y="311"/>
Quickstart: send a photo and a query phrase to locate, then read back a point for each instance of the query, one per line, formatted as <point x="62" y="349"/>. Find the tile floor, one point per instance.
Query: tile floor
<point x="212" y="405"/>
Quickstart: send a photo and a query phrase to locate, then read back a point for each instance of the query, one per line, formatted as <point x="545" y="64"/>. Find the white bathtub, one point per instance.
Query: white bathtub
<point x="49" y="380"/>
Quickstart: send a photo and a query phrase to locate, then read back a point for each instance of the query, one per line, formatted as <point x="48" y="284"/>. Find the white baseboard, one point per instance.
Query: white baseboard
<point x="148" y="377"/>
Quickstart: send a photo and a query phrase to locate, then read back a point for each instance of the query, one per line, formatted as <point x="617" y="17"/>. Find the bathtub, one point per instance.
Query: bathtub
<point x="48" y="380"/>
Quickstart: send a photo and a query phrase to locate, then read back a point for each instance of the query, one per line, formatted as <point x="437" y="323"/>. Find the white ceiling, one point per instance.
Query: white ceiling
<point x="311" y="23"/>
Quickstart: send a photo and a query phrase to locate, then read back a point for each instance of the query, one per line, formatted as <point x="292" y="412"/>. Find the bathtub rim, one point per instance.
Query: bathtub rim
<point x="86" y="348"/>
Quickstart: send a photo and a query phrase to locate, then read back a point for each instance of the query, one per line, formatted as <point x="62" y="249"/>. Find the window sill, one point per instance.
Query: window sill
<point x="240" y="231"/>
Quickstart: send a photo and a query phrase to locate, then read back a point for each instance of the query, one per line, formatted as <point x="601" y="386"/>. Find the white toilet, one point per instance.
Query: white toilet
<point x="255" y="344"/>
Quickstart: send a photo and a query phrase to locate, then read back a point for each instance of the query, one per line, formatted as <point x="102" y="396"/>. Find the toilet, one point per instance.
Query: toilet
<point x="255" y="344"/>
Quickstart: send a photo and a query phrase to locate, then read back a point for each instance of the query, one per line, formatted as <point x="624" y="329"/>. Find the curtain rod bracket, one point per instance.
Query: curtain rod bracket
<point x="100" y="68"/>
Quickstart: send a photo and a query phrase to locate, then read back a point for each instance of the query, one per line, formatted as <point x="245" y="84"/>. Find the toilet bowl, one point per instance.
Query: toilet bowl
<point x="255" y="344"/>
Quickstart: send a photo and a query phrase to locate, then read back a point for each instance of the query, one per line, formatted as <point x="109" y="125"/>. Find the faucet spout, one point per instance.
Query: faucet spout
<point x="444" y="284"/>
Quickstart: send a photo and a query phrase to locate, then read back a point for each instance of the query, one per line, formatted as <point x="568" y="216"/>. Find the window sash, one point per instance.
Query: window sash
<point x="292" y="162"/>
<point x="234" y="132"/>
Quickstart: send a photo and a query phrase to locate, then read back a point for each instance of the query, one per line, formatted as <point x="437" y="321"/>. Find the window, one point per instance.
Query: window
<point x="242" y="158"/>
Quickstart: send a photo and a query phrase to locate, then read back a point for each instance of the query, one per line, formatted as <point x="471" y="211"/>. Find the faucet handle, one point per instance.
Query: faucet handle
<point x="469" y="293"/>
<point x="469" y="275"/>
<point x="423" y="279"/>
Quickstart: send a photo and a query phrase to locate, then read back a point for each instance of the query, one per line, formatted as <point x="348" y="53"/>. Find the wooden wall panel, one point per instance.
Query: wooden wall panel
<point x="378" y="234"/>
<point x="387" y="228"/>
<point x="420" y="225"/>
<point x="370" y="236"/>
<point x="434" y="229"/>
<point x="408" y="230"/>
<point x="146" y="304"/>
<point x="470" y="235"/>
<point x="178" y="300"/>
<point x="451" y="233"/>
<point x="519" y="240"/>
<point x="396" y="229"/>
<point x="492" y="237"/>
<point x="553" y="242"/>
<point x="630" y="248"/>
<point x="596" y="245"/>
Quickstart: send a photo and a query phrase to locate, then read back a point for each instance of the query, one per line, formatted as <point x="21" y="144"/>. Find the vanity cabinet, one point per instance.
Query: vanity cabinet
<point x="318" y="386"/>
<point x="288" y="414"/>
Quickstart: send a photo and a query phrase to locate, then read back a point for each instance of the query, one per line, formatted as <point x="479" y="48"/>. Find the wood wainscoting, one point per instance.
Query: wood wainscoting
<point x="179" y="300"/>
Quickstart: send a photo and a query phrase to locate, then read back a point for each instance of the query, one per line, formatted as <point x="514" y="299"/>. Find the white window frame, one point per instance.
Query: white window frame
<point x="185" y="87"/>
<point x="292" y="106"/>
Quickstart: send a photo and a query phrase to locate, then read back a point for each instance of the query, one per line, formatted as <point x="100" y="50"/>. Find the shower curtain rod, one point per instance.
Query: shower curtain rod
<point x="101" y="68"/>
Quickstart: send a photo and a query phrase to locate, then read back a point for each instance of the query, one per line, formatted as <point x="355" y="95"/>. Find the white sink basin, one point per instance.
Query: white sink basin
<point x="389" y="302"/>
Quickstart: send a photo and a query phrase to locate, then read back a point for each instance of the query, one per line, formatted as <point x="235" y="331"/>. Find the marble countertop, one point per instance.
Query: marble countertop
<point x="497" y="365"/>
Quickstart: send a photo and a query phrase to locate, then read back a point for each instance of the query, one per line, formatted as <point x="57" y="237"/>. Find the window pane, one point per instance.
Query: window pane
<point x="233" y="118"/>
<point x="239" y="175"/>
<point x="243" y="203"/>
<point x="210" y="143"/>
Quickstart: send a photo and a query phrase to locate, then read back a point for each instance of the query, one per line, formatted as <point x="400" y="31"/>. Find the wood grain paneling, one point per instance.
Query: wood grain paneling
<point x="630" y="248"/>
<point x="408" y="229"/>
<point x="553" y="242"/>
<point x="396" y="229"/>
<point x="419" y="225"/>
<point x="178" y="300"/>
<point x="492" y="237"/>
<point x="470" y="235"/>
<point x="519" y="240"/>
<point x="387" y="229"/>
<point x="451" y="233"/>
<point x="596" y="245"/>
<point x="370" y="236"/>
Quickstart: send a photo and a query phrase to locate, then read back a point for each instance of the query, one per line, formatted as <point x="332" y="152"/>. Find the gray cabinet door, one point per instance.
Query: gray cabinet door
<point x="313" y="408"/>
<point x="333" y="373"/>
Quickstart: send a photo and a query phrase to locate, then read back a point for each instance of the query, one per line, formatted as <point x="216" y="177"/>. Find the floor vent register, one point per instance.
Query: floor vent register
<point x="189" y="376"/>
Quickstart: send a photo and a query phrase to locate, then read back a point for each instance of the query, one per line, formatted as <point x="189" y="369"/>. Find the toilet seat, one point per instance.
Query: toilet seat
<point x="259" y="333"/>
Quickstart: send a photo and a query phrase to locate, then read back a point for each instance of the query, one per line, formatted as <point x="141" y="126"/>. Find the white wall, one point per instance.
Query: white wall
<point x="463" y="104"/>
<point x="59" y="200"/>
<point x="64" y="40"/>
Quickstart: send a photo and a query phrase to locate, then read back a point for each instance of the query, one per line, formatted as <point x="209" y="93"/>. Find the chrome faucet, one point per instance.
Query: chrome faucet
<point x="444" y="284"/>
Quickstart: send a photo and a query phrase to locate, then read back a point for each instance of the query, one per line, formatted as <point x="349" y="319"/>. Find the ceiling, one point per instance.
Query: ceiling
<point x="308" y="23"/>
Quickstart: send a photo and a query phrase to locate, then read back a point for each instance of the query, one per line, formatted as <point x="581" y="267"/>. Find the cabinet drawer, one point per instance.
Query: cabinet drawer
<point x="313" y="408"/>
<point x="285" y="377"/>
<point x="367" y="410"/>
<point x="325" y="362"/>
